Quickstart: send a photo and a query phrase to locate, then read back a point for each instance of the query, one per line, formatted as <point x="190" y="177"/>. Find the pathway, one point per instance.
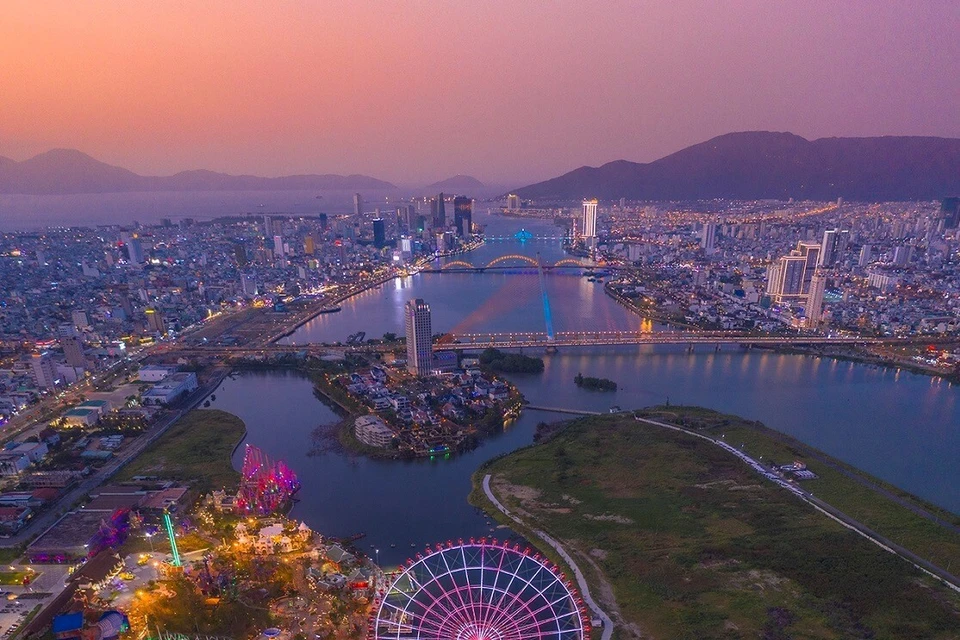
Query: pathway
<point x="581" y="581"/>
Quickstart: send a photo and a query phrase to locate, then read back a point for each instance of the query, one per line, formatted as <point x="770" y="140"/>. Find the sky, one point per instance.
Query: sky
<point x="416" y="91"/>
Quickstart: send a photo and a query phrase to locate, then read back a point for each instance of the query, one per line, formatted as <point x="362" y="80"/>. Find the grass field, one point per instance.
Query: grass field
<point x="196" y="450"/>
<point x="679" y="539"/>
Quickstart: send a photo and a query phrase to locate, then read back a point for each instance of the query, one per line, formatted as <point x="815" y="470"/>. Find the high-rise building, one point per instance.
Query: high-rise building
<point x="248" y="285"/>
<point x="832" y="247"/>
<point x="438" y="212"/>
<point x="80" y="320"/>
<point x="240" y="255"/>
<point x="813" y="309"/>
<point x="43" y="370"/>
<point x="322" y="221"/>
<point x="902" y="254"/>
<point x="73" y="350"/>
<point x="308" y="245"/>
<point x="513" y="201"/>
<point x="866" y="254"/>
<point x="278" y="246"/>
<point x="463" y="215"/>
<point x="419" y="337"/>
<point x="155" y="321"/>
<point x="267" y="226"/>
<point x="950" y="212"/>
<point x="379" y="233"/>
<point x="133" y="247"/>
<point x="789" y="278"/>
<point x="590" y="218"/>
<point x="357" y="205"/>
<point x="708" y="237"/>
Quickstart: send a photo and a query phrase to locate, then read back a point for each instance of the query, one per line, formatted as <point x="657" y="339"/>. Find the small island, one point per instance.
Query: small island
<point x="503" y="362"/>
<point x="595" y="384"/>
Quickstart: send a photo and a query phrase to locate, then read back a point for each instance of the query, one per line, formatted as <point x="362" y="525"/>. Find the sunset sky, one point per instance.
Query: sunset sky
<point x="508" y="91"/>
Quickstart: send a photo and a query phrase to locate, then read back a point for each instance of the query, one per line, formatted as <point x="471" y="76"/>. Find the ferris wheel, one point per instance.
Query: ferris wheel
<point x="481" y="590"/>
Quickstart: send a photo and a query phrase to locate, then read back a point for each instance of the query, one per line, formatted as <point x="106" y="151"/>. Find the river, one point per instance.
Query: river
<point x="901" y="427"/>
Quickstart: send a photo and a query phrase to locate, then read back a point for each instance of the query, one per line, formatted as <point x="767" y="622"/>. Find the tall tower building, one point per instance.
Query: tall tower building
<point x="43" y="371"/>
<point x="278" y="246"/>
<point x="708" y="237"/>
<point x="267" y="226"/>
<point x="813" y="309"/>
<point x="419" y="337"/>
<point x="463" y="215"/>
<point x="866" y="254"/>
<point x="357" y="205"/>
<point x="73" y="350"/>
<point x="438" y="212"/>
<point x="155" y="321"/>
<point x="379" y="233"/>
<point x="134" y="247"/>
<point x="513" y="202"/>
<point x="789" y="279"/>
<point x="308" y="245"/>
<point x="240" y="254"/>
<point x="590" y="218"/>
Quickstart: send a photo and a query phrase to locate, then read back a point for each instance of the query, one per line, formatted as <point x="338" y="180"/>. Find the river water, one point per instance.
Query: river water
<point x="898" y="426"/>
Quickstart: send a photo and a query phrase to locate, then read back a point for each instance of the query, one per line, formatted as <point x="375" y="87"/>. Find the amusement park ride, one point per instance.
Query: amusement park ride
<point x="265" y="485"/>
<point x="481" y="590"/>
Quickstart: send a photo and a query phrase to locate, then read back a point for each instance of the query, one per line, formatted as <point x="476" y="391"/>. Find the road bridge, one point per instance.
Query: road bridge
<point x="513" y="340"/>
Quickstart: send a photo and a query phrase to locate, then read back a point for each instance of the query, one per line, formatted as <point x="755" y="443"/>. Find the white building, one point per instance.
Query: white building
<point x="170" y="389"/>
<point x="373" y="431"/>
<point x="154" y="373"/>
<point x="590" y="218"/>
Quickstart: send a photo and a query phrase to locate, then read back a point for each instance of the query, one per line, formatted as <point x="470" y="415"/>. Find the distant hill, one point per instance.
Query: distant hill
<point x="456" y="183"/>
<point x="761" y="164"/>
<point x="62" y="171"/>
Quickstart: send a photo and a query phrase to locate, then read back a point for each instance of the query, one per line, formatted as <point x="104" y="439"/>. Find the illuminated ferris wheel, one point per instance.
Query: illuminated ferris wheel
<point x="479" y="591"/>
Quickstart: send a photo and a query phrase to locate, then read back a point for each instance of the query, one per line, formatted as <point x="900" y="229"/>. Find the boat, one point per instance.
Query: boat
<point x="330" y="310"/>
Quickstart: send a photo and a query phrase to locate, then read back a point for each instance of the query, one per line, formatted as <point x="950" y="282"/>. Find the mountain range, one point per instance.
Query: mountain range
<point x="756" y="165"/>
<point x="66" y="171"/>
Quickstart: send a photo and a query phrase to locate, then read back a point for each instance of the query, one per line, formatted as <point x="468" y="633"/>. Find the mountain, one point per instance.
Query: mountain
<point x="456" y="183"/>
<point x="761" y="164"/>
<point x="62" y="171"/>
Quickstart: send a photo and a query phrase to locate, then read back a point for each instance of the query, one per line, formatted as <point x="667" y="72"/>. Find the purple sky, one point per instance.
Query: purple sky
<point x="417" y="91"/>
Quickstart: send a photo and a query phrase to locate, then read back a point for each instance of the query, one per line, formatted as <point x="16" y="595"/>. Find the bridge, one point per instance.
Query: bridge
<point x="508" y="340"/>
<point x="512" y="261"/>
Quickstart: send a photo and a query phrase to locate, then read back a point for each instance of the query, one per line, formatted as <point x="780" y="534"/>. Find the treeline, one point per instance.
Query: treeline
<point x="503" y="362"/>
<point x="595" y="384"/>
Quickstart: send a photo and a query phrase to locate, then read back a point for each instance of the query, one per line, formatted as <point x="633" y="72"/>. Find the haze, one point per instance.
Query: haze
<point x="506" y="91"/>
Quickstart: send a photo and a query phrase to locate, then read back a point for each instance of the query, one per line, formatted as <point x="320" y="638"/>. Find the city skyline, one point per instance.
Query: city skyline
<point x="161" y="91"/>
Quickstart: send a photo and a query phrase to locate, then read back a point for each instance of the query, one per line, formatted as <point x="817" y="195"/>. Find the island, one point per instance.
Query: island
<point x="504" y="362"/>
<point x="686" y="522"/>
<point x="594" y="384"/>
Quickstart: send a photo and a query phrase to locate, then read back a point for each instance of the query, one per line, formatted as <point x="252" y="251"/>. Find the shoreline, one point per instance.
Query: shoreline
<point x="864" y="359"/>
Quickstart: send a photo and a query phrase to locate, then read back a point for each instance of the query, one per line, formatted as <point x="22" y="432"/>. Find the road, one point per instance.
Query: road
<point x="607" y="630"/>
<point x="52" y="513"/>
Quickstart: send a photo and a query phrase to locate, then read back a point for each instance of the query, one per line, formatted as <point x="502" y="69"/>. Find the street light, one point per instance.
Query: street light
<point x="150" y="538"/>
<point x="377" y="551"/>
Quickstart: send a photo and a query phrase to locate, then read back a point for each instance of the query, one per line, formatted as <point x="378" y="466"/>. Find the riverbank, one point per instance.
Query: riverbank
<point x="678" y="537"/>
<point x="837" y="353"/>
<point x="196" y="450"/>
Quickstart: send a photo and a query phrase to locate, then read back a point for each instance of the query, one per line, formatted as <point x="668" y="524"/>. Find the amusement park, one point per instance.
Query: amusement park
<point x="169" y="565"/>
